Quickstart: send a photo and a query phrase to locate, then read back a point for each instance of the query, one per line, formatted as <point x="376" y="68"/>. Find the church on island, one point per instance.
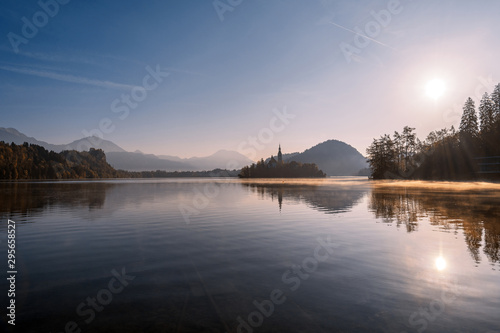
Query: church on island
<point x="272" y="162"/>
<point x="279" y="169"/>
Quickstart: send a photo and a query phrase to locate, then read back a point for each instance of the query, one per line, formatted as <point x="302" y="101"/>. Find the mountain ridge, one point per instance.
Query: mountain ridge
<point x="334" y="157"/>
<point x="119" y="158"/>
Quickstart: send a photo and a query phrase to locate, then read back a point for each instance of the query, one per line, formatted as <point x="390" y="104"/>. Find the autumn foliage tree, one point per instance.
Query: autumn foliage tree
<point x="29" y="161"/>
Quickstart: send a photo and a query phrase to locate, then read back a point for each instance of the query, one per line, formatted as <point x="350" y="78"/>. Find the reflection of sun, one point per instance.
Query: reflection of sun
<point x="435" y="88"/>
<point x="440" y="263"/>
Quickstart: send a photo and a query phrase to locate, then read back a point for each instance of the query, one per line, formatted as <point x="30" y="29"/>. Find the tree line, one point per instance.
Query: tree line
<point x="292" y="169"/>
<point x="30" y="161"/>
<point x="218" y="173"/>
<point x="470" y="153"/>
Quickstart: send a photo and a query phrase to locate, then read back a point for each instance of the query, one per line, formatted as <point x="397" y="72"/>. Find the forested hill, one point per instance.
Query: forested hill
<point x="335" y="158"/>
<point x="29" y="161"/>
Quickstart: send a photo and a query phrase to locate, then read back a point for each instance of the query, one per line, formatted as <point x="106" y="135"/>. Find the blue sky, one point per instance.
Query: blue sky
<point x="225" y="77"/>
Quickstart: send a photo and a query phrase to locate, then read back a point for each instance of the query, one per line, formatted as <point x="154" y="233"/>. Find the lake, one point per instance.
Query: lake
<point x="226" y="255"/>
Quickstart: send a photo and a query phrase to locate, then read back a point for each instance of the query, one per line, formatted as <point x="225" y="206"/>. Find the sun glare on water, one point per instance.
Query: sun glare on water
<point x="440" y="263"/>
<point x="435" y="88"/>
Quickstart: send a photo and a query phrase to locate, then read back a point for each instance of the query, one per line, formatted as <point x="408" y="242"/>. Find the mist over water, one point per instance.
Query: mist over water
<point x="346" y="255"/>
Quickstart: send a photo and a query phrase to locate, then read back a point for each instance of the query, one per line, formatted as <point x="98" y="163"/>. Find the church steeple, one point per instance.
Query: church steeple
<point x="280" y="156"/>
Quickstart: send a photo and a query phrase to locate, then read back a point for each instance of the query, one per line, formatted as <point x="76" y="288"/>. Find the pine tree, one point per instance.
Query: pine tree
<point x="495" y="98"/>
<point x="398" y="148"/>
<point x="468" y="124"/>
<point x="486" y="114"/>
<point x="409" y="145"/>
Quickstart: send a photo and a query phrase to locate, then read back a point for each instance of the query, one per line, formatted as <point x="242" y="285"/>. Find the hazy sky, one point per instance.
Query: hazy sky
<point x="223" y="73"/>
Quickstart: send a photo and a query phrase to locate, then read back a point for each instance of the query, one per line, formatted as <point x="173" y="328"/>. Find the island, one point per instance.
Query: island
<point x="279" y="169"/>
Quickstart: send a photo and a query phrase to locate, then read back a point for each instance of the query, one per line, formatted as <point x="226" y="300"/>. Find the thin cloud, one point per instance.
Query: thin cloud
<point x="56" y="58"/>
<point x="183" y="71"/>
<point x="364" y="36"/>
<point x="67" y="78"/>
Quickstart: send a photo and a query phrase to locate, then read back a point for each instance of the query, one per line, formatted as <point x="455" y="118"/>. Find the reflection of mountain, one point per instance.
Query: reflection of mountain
<point x="477" y="213"/>
<point x="323" y="198"/>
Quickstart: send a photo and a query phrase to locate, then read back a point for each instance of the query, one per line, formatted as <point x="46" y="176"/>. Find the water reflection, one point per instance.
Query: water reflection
<point x="28" y="198"/>
<point x="440" y="263"/>
<point x="476" y="212"/>
<point x="203" y="275"/>
<point x="328" y="199"/>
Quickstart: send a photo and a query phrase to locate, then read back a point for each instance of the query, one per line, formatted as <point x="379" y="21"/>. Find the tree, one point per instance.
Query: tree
<point x="409" y="145"/>
<point x="486" y="114"/>
<point x="382" y="157"/>
<point x="468" y="124"/>
<point x="398" y="146"/>
<point x="495" y="98"/>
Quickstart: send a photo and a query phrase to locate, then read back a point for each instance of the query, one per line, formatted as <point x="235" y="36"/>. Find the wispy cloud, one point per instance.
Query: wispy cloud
<point x="57" y="58"/>
<point x="183" y="71"/>
<point x="364" y="36"/>
<point x="67" y="78"/>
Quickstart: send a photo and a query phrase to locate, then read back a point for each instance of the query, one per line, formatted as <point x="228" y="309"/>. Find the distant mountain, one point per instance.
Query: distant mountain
<point x="144" y="162"/>
<point x="93" y="142"/>
<point x="170" y="157"/>
<point x="335" y="158"/>
<point x="9" y="135"/>
<point x="221" y="159"/>
<point x="136" y="161"/>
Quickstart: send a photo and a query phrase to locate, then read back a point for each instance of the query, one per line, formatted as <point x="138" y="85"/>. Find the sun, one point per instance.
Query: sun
<point x="435" y="88"/>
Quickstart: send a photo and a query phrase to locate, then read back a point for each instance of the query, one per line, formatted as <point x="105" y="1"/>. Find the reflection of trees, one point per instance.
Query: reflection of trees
<point x="401" y="208"/>
<point x="323" y="198"/>
<point x="472" y="211"/>
<point x="28" y="198"/>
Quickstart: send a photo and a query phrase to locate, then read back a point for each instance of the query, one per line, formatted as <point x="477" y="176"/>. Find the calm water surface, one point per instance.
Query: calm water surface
<point x="216" y="255"/>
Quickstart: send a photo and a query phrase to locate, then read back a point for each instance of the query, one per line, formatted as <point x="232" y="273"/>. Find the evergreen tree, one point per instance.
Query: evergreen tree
<point x="486" y="114"/>
<point x="409" y="144"/>
<point x="495" y="98"/>
<point x="398" y="146"/>
<point x="468" y="124"/>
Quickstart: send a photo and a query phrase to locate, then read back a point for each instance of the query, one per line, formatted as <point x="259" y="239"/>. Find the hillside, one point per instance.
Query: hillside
<point x="29" y="161"/>
<point x="335" y="158"/>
